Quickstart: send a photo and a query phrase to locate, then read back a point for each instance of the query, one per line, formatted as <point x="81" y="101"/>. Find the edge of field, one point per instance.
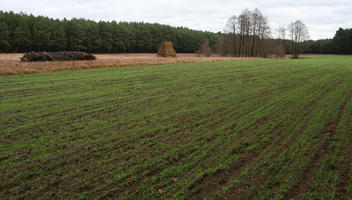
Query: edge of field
<point x="10" y="63"/>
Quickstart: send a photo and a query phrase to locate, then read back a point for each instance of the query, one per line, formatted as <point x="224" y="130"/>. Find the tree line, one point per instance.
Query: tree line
<point x="249" y="35"/>
<point x="20" y="32"/>
<point x="245" y="35"/>
<point x="340" y="44"/>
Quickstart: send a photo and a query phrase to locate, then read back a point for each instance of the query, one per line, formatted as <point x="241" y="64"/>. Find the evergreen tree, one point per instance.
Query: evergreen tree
<point x="41" y="35"/>
<point x="21" y="40"/>
<point x="92" y="40"/>
<point x="106" y="32"/>
<point x="38" y="33"/>
<point x="119" y="36"/>
<point x="58" y="37"/>
<point x="75" y="35"/>
<point x="4" y="38"/>
<point x="343" y="41"/>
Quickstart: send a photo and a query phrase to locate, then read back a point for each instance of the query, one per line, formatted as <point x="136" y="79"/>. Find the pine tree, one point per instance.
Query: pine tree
<point x="106" y="31"/>
<point x="58" y="37"/>
<point x="21" y="40"/>
<point x="4" y="38"/>
<point x="119" y="37"/>
<point x="75" y="36"/>
<point x="92" y="38"/>
<point x="41" y="35"/>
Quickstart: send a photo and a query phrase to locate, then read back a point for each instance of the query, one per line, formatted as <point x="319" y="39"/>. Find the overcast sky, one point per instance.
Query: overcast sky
<point x="322" y="17"/>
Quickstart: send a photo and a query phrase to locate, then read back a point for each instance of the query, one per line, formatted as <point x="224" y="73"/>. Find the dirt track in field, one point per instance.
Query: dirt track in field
<point x="10" y="63"/>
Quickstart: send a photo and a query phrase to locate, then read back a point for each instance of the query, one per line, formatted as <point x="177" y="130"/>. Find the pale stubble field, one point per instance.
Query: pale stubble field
<point x="11" y="64"/>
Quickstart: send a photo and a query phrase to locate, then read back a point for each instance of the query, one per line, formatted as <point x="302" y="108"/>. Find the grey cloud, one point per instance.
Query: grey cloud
<point x="323" y="17"/>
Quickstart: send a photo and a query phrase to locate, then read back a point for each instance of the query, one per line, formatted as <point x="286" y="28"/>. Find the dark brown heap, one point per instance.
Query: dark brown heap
<point x="56" y="56"/>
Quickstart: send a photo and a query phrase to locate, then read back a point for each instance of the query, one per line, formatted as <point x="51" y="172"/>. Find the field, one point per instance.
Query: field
<point x="11" y="64"/>
<point x="246" y="129"/>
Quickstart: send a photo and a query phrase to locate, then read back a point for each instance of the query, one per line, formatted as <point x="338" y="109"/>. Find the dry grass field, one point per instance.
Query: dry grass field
<point x="11" y="64"/>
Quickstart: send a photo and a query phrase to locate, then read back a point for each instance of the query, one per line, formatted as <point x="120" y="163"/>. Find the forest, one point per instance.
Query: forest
<point x="245" y="35"/>
<point x="22" y="33"/>
<point x="340" y="44"/>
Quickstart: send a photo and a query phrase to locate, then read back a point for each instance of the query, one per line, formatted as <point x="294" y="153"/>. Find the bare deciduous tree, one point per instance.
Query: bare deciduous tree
<point x="205" y="49"/>
<point x="246" y="33"/>
<point x="281" y="33"/>
<point x="231" y="27"/>
<point x="298" y="33"/>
